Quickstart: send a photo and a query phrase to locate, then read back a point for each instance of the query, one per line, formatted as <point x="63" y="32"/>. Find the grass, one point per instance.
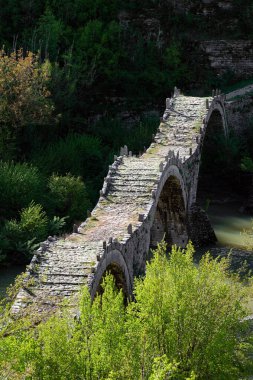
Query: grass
<point x="196" y="127"/>
<point x="152" y="150"/>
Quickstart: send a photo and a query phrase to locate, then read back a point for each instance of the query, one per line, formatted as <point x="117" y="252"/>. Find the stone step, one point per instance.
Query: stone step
<point x="137" y="176"/>
<point x="120" y="185"/>
<point x="52" y="282"/>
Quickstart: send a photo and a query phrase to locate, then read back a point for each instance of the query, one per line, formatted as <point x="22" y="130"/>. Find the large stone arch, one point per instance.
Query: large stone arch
<point x="114" y="263"/>
<point x="168" y="219"/>
<point x="215" y="120"/>
<point x="215" y="124"/>
<point x="199" y="226"/>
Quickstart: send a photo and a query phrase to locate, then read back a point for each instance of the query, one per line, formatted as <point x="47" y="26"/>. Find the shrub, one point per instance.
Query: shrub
<point x="69" y="197"/>
<point x="22" y="236"/>
<point x="56" y="225"/>
<point x="80" y="155"/>
<point x="246" y="164"/>
<point x="20" y="183"/>
<point x="135" y="137"/>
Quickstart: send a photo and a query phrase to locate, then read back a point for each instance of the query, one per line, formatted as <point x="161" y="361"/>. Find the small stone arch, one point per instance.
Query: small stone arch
<point x="218" y="108"/>
<point x="114" y="263"/>
<point x="169" y="215"/>
<point x="216" y="121"/>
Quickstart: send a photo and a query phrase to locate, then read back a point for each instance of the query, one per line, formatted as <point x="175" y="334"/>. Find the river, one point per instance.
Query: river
<point x="228" y="223"/>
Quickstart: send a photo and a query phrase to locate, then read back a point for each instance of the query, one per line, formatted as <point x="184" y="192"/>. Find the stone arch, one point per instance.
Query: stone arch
<point x="169" y="216"/>
<point x="114" y="263"/>
<point x="199" y="227"/>
<point x="215" y="125"/>
<point x="217" y="110"/>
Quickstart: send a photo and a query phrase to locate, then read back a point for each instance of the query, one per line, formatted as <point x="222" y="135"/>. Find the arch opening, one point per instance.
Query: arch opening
<point x="219" y="173"/>
<point x="120" y="280"/>
<point x="213" y="156"/>
<point x="170" y="216"/>
<point x="219" y="190"/>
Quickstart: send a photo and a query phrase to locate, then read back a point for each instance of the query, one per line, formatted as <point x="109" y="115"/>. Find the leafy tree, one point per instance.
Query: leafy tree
<point x="49" y="33"/>
<point x="25" y="98"/>
<point x="98" y="51"/>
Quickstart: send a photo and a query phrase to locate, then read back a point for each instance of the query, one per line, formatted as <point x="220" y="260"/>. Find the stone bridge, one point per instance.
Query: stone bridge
<point x="143" y="200"/>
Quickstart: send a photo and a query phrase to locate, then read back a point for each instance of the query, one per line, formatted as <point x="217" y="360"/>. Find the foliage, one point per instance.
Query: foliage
<point x="76" y="154"/>
<point x="246" y="164"/>
<point x="56" y="225"/>
<point x="98" y="51"/>
<point x="20" y="183"/>
<point x="173" y="57"/>
<point x="187" y="323"/>
<point x="80" y="155"/>
<point x="25" y="98"/>
<point x="247" y="235"/>
<point x="49" y="33"/>
<point x="69" y="197"/>
<point x="140" y="136"/>
<point x="23" y="235"/>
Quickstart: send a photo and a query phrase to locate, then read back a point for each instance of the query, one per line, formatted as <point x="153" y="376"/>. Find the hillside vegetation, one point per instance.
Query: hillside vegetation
<point x="79" y="79"/>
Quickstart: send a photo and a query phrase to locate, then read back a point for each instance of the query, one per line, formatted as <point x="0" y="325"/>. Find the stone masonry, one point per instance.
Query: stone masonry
<point x="143" y="200"/>
<point x="234" y="56"/>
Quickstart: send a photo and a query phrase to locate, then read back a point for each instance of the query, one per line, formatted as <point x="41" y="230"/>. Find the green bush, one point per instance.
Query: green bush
<point x="69" y="197"/>
<point x="135" y="136"/>
<point x="187" y="322"/>
<point x="20" y="183"/>
<point x="246" y="164"/>
<point x="80" y="155"/>
<point x="21" y="237"/>
<point x="56" y="225"/>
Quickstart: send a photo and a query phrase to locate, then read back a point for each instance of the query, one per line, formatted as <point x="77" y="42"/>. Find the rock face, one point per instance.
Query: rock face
<point x="143" y="199"/>
<point x="234" y="56"/>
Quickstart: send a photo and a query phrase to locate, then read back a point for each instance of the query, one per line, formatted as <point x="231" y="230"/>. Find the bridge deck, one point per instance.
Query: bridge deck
<point x="60" y="267"/>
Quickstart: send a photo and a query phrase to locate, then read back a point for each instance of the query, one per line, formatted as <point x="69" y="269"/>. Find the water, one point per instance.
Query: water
<point x="7" y="277"/>
<point x="228" y="223"/>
